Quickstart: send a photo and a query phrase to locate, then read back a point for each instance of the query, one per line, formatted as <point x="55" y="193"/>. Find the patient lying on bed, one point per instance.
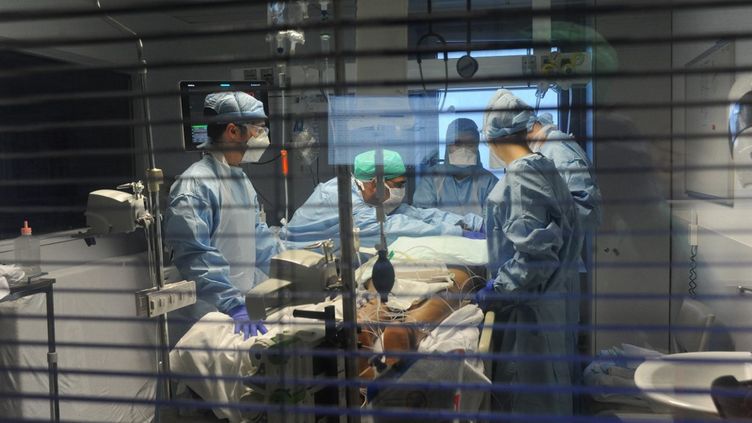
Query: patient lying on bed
<point x="439" y="316"/>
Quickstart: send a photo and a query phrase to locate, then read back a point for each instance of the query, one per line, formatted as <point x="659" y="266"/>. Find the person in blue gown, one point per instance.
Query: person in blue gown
<point x="211" y="223"/>
<point x="460" y="184"/>
<point x="534" y="243"/>
<point x="318" y="218"/>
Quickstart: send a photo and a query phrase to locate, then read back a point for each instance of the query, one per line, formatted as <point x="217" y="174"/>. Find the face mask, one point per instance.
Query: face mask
<point x="396" y="195"/>
<point x="463" y="157"/>
<point x="256" y="147"/>
<point x="494" y="161"/>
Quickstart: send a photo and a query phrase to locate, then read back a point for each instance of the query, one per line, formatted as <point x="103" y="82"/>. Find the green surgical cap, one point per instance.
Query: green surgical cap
<point x="365" y="165"/>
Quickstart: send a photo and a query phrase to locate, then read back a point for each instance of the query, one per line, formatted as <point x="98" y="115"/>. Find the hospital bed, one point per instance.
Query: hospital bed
<point x="294" y="337"/>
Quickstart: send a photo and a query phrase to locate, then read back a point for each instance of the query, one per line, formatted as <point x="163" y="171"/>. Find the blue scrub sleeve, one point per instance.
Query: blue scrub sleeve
<point x="474" y="221"/>
<point x="585" y="193"/>
<point x="425" y="195"/>
<point x="535" y="237"/>
<point x="188" y="232"/>
<point x="267" y="246"/>
<point x="535" y="258"/>
<point x="403" y="222"/>
<point x="439" y="217"/>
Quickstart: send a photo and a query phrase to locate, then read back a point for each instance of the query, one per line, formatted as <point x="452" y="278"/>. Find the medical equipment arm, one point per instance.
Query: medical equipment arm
<point x="187" y="231"/>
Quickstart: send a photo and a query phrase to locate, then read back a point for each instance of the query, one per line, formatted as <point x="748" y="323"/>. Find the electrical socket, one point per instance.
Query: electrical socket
<point x="154" y="302"/>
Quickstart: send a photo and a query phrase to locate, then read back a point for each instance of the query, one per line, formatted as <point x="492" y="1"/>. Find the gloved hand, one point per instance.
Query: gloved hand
<point x="473" y="235"/>
<point x="244" y="324"/>
<point x="484" y="297"/>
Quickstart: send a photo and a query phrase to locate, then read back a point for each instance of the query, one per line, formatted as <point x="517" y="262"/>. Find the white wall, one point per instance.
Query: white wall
<point x="725" y="242"/>
<point x="728" y="221"/>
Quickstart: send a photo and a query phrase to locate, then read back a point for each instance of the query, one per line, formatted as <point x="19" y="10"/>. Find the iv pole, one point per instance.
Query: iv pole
<point x="154" y="179"/>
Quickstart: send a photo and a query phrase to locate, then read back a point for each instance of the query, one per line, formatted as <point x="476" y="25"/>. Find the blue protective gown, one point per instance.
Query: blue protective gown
<point x="441" y="188"/>
<point x="577" y="171"/>
<point x="212" y="226"/>
<point x="318" y="219"/>
<point x="534" y="244"/>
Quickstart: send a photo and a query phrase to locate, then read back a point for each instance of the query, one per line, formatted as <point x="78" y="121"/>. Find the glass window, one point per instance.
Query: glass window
<point x="470" y="103"/>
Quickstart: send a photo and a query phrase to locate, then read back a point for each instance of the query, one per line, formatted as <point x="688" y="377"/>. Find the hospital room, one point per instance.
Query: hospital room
<point x="315" y="211"/>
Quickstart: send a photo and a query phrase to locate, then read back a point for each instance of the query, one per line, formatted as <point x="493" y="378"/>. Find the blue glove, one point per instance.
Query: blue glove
<point x="473" y="235"/>
<point x="485" y="296"/>
<point x="244" y="324"/>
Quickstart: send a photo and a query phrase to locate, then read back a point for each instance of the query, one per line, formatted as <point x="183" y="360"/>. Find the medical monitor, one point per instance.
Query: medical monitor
<point x="192" y="95"/>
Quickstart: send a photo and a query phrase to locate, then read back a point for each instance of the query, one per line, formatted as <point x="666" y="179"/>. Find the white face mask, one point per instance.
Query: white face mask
<point x="495" y="161"/>
<point x="396" y="195"/>
<point x="463" y="157"/>
<point x="256" y="147"/>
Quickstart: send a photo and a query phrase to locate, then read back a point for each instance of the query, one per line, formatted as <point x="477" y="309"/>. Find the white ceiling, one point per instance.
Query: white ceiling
<point x="173" y="21"/>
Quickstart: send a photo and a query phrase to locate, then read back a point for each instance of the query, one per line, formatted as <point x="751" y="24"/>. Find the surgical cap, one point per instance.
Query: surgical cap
<point x="459" y="127"/>
<point x="506" y="114"/>
<point x="233" y="106"/>
<point x="365" y="165"/>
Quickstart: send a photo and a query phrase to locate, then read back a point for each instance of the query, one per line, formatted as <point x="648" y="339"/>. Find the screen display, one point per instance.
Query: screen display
<point x="192" y="95"/>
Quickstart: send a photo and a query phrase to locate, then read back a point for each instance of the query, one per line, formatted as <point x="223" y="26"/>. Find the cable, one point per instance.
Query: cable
<point x="692" y="271"/>
<point x="266" y="162"/>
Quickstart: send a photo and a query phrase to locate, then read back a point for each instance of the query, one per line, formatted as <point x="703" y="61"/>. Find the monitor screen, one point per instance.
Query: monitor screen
<point x="192" y="95"/>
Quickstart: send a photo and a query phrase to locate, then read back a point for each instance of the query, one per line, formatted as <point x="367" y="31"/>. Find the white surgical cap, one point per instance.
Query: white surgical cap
<point x="506" y="114"/>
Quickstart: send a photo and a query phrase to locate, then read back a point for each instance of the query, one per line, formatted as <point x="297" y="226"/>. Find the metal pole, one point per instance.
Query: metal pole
<point x="52" y="356"/>
<point x="380" y="214"/>
<point x="282" y="76"/>
<point x="154" y="179"/>
<point x="344" y="189"/>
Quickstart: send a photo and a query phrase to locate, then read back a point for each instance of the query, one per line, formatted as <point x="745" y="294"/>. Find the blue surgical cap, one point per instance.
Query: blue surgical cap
<point x="365" y="165"/>
<point x="506" y="114"/>
<point x="233" y="106"/>
<point x="459" y="127"/>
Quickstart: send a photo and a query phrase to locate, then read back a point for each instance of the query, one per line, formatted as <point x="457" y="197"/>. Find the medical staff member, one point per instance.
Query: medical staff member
<point x="570" y="160"/>
<point x="212" y="221"/>
<point x="461" y="184"/>
<point x="574" y="167"/>
<point x="318" y="217"/>
<point x="534" y="244"/>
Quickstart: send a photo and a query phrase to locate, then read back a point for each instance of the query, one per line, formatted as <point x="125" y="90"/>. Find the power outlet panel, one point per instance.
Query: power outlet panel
<point x="154" y="302"/>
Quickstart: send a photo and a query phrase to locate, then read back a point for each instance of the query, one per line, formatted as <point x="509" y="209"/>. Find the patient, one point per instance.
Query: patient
<point x="211" y="347"/>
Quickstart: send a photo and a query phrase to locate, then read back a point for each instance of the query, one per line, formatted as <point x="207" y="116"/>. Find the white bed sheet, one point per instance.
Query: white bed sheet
<point x="196" y="353"/>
